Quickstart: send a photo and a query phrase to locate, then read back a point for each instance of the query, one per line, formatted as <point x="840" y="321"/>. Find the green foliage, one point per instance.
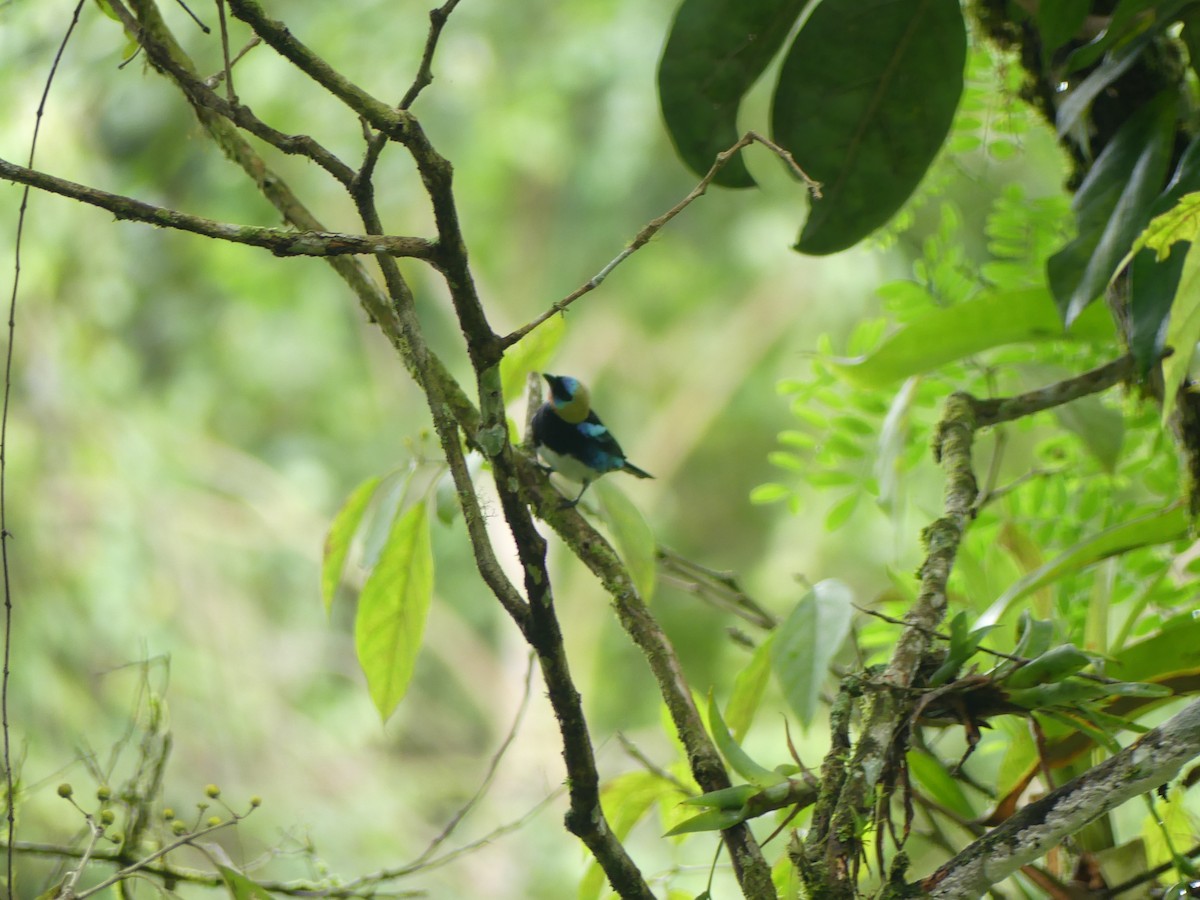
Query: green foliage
<point x="807" y="642"/>
<point x="392" y="608"/>
<point x="864" y="98"/>
<point x="341" y="532"/>
<point x="1113" y="205"/>
<point x="716" y="50"/>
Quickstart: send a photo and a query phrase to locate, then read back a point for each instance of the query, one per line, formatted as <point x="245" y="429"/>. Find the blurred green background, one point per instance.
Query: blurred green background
<point x="188" y="415"/>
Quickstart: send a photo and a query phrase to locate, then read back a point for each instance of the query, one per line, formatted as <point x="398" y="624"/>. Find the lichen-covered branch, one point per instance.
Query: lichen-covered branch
<point x="1151" y="761"/>
<point x="754" y="875"/>
<point x="891" y="698"/>
<point x="280" y="241"/>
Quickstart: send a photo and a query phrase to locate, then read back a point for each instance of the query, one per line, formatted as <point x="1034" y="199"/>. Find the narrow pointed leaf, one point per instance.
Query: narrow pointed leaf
<point x="739" y="760"/>
<point x="392" y="609"/>
<point x="949" y="334"/>
<point x="716" y="50"/>
<point x="807" y="642"/>
<point x="1112" y="206"/>
<point x="748" y="690"/>
<point x="930" y="774"/>
<point x="341" y="533"/>
<point x="1164" y="526"/>
<point x="865" y="99"/>
<point x="710" y="820"/>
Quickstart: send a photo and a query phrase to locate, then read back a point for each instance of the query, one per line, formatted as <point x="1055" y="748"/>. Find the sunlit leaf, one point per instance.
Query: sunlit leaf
<point x="748" y="688"/>
<point x="241" y="887"/>
<point x="1159" y="527"/>
<point x="949" y="334"/>
<point x="341" y="533"/>
<point x="807" y="642"/>
<point x="392" y="609"/>
<point x="1176" y="648"/>
<point x="865" y="99"/>
<point x="715" y="51"/>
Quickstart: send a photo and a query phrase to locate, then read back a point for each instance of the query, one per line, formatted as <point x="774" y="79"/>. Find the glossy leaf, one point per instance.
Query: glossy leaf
<point x="1072" y="111"/>
<point x="710" y="820"/>
<point x="949" y="334"/>
<point x="748" y="688"/>
<point x="1158" y="259"/>
<point x="632" y="535"/>
<point x="738" y="759"/>
<point x="392" y="609"/>
<point x="938" y="784"/>
<point x="1112" y="206"/>
<point x="807" y="642"/>
<point x="341" y="533"/>
<point x="1163" y="526"/>
<point x="1117" y="29"/>
<point x="714" y="53"/>
<point x="865" y="99"/>
<point x="724" y="798"/>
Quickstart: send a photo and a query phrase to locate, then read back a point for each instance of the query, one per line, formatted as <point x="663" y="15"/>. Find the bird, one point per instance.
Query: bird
<point x="571" y="439"/>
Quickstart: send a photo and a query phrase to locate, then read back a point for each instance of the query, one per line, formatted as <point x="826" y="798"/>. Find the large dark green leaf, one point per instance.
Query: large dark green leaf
<point x="1113" y="205"/>
<point x="865" y="98"/>
<point x="1153" y="281"/>
<point x="716" y="50"/>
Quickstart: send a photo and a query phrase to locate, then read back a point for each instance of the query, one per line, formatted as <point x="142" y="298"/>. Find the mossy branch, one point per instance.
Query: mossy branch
<point x="871" y="766"/>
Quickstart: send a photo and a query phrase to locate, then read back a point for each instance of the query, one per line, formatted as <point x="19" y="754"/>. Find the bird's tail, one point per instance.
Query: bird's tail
<point x="634" y="470"/>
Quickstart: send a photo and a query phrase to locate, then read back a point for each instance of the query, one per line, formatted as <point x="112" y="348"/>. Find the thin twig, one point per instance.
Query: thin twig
<point x="157" y="854"/>
<point x="719" y="588"/>
<point x="493" y="765"/>
<point x="216" y="78"/>
<point x="9" y="784"/>
<point x="437" y="21"/>
<point x="650" y="766"/>
<point x="95" y="832"/>
<point x="230" y="93"/>
<point x="656" y="225"/>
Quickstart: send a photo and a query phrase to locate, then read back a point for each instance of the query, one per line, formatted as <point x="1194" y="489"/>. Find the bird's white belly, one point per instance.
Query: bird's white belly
<point x="567" y="466"/>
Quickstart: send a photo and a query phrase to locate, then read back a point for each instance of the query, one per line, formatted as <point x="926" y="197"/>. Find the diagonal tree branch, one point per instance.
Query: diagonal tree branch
<point x="1151" y="761"/>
